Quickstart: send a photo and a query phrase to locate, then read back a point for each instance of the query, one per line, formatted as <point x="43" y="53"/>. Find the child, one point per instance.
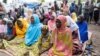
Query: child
<point x="45" y="41"/>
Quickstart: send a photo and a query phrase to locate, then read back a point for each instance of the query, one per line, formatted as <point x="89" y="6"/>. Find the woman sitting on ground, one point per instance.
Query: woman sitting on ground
<point x="45" y="41"/>
<point x="11" y="33"/>
<point x="21" y="26"/>
<point x="83" y="28"/>
<point x="62" y="39"/>
<point x="32" y="36"/>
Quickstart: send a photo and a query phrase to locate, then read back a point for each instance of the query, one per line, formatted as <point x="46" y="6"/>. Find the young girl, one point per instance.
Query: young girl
<point x="44" y="41"/>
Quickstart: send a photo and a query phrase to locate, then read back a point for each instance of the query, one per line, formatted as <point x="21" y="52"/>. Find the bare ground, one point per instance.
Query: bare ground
<point x="95" y="29"/>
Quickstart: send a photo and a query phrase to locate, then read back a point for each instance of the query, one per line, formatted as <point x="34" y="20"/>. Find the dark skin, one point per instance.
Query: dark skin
<point x="32" y="19"/>
<point x="44" y="32"/>
<point x="8" y="38"/>
<point x="80" y="18"/>
<point x="52" y="18"/>
<point x="3" y="22"/>
<point x="20" y="24"/>
<point x="10" y="25"/>
<point x="58" y="23"/>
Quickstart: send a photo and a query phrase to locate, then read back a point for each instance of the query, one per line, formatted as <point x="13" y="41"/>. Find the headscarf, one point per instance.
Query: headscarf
<point x="34" y="31"/>
<point x="21" y="32"/>
<point x="62" y="45"/>
<point x="74" y="17"/>
<point x="63" y="20"/>
<point x="51" y="25"/>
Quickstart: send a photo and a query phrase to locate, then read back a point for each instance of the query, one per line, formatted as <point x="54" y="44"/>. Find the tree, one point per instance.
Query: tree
<point x="79" y="1"/>
<point x="5" y="1"/>
<point x="98" y="1"/>
<point x="42" y="1"/>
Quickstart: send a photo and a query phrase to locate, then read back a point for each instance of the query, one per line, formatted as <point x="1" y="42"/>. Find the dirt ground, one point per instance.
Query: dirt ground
<point x="95" y="29"/>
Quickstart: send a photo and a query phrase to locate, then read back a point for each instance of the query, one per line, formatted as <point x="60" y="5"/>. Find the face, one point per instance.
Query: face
<point x="20" y="24"/>
<point x="58" y="23"/>
<point x="3" y="22"/>
<point x="44" y="31"/>
<point x="32" y="19"/>
<point x="10" y="24"/>
<point x="80" y="18"/>
<point x="52" y="18"/>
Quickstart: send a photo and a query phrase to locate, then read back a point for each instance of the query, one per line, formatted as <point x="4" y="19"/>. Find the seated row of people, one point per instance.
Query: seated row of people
<point x="34" y="38"/>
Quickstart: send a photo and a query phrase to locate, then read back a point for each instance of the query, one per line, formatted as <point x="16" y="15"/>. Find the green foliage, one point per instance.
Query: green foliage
<point x="5" y="1"/>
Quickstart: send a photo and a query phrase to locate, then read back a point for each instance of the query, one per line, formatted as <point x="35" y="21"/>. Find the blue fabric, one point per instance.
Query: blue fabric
<point x="83" y="29"/>
<point x="72" y="8"/>
<point x="9" y="31"/>
<point x="33" y="5"/>
<point x="33" y="32"/>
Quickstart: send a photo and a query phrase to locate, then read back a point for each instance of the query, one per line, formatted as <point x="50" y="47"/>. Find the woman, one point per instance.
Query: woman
<point x="11" y="33"/>
<point x="51" y="23"/>
<point x="83" y="29"/>
<point x="21" y="26"/>
<point x="62" y="39"/>
<point x="32" y="36"/>
<point x="74" y="16"/>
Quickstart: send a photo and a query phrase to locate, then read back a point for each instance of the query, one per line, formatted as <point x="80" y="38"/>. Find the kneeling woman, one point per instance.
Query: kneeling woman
<point x="62" y="39"/>
<point x="32" y="36"/>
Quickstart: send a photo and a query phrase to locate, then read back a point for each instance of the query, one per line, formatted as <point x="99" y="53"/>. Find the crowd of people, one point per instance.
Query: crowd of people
<point x="58" y="32"/>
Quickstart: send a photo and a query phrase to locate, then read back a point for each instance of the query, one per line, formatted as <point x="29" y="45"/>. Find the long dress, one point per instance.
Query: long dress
<point x="62" y="43"/>
<point x="32" y="36"/>
<point x="16" y="46"/>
